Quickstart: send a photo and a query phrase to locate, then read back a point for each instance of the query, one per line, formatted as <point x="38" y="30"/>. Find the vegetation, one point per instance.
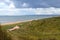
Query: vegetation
<point x="43" y="29"/>
<point x="3" y="35"/>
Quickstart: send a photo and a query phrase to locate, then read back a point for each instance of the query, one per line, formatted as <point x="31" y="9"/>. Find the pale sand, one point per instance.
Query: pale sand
<point x="15" y="22"/>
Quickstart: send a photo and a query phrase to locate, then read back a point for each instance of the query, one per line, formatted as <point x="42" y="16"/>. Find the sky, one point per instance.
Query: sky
<point x="29" y="7"/>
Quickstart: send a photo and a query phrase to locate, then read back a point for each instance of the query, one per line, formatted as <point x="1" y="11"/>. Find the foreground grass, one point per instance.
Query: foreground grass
<point x="43" y="29"/>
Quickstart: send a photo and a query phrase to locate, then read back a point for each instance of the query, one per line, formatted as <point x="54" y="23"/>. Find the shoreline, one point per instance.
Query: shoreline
<point x="9" y="23"/>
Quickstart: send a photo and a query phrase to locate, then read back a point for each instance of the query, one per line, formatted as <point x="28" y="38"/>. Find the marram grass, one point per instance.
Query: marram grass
<point x="43" y="29"/>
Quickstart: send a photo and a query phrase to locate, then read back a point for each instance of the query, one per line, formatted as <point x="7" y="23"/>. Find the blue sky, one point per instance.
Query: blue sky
<point x="29" y="7"/>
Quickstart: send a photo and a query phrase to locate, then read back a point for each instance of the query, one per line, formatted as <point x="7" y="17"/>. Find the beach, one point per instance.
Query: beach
<point x="9" y="23"/>
<point x="6" y="20"/>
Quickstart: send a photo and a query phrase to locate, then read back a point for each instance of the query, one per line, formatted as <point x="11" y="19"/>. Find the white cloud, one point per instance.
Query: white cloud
<point x="49" y="11"/>
<point x="6" y="12"/>
<point x="3" y="5"/>
<point x="7" y="0"/>
<point x="25" y="11"/>
<point x="11" y="5"/>
<point x="25" y="5"/>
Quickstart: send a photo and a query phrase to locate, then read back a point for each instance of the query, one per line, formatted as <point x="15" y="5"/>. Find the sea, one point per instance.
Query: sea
<point x="7" y="19"/>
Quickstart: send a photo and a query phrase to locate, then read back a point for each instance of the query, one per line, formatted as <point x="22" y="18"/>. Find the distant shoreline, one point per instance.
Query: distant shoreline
<point x="17" y="22"/>
<point x="9" y="23"/>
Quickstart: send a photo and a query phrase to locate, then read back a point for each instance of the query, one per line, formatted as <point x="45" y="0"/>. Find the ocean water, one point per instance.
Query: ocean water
<point x="7" y="19"/>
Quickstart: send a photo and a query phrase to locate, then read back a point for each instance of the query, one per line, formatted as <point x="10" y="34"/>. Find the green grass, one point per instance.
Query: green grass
<point x="43" y="29"/>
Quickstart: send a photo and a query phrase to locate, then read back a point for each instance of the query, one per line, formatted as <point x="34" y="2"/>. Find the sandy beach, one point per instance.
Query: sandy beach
<point x="15" y="22"/>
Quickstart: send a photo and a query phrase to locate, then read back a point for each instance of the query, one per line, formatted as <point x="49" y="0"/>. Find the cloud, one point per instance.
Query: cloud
<point x="16" y="12"/>
<point x="44" y="4"/>
<point x="30" y="3"/>
<point x="11" y="5"/>
<point x="6" y="12"/>
<point x="24" y="5"/>
<point x="38" y="3"/>
<point x="1" y="0"/>
<point x="31" y="11"/>
<point x="7" y="0"/>
<point x="47" y="11"/>
<point x="53" y="3"/>
<point x="3" y="5"/>
<point x="6" y="4"/>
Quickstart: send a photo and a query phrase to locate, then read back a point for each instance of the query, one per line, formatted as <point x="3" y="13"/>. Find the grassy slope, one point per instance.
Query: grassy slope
<point x="44" y="29"/>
